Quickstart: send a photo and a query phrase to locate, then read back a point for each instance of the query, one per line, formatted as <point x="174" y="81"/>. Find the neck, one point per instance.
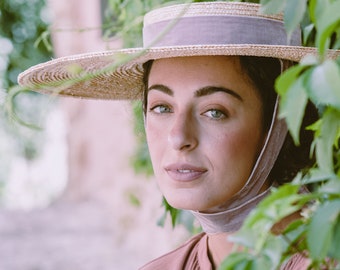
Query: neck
<point x="219" y="247"/>
<point x="230" y="219"/>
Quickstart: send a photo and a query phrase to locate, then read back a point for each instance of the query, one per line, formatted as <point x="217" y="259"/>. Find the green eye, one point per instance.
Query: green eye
<point x="160" y="109"/>
<point x="215" y="114"/>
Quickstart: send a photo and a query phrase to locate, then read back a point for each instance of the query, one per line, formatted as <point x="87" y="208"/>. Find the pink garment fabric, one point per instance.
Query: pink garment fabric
<point x="194" y="255"/>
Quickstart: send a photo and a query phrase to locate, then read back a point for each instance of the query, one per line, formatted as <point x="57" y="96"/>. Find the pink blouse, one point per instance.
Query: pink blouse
<point x="193" y="255"/>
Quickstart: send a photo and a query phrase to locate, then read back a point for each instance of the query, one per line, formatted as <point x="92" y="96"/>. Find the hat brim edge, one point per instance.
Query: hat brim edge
<point x="78" y="75"/>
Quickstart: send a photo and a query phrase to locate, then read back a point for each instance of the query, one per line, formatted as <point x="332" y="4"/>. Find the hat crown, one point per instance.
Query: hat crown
<point x="207" y="9"/>
<point x="215" y="23"/>
<point x="196" y="29"/>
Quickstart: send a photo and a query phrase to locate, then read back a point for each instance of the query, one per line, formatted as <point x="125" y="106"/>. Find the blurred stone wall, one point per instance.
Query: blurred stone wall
<point x="96" y="224"/>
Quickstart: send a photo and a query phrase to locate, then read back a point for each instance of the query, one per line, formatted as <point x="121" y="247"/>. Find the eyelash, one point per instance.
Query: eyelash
<point x="157" y="110"/>
<point x="154" y="108"/>
<point x="222" y="116"/>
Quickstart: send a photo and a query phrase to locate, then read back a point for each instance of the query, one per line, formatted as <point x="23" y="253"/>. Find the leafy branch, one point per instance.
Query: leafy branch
<point x="317" y="79"/>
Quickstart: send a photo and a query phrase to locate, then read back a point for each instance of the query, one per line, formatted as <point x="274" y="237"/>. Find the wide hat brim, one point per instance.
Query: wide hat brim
<point x="198" y="29"/>
<point x="118" y="74"/>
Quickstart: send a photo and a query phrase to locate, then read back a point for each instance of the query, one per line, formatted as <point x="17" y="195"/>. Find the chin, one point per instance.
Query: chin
<point x="187" y="204"/>
<point x="180" y="205"/>
<point x="189" y="198"/>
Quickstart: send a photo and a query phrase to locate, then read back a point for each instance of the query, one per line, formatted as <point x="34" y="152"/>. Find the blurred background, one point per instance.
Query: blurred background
<point x="73" y="194"/>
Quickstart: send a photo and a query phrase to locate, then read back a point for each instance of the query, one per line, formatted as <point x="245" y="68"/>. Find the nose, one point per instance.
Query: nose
<point x="183" y="134"/>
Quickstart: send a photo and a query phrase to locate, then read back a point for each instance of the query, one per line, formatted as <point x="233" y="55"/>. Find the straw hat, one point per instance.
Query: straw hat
<point x="208" y="28"/>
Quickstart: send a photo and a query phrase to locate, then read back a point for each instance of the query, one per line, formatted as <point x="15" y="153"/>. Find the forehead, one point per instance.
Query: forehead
<point x="204" y="63"/>
<point x="198" y="71"/>
<point x="196" y="68"/>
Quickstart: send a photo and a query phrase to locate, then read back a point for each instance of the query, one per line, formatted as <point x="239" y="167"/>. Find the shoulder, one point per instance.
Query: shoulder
<point x="184" y="257"/>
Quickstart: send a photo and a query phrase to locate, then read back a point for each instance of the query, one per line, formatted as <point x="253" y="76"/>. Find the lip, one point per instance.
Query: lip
<point x="183" y="172"/>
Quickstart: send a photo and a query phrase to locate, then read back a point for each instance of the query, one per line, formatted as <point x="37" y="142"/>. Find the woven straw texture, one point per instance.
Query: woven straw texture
<point x="118" y="74"/>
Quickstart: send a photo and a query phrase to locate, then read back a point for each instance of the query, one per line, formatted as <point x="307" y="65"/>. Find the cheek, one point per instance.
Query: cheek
<point x="155" y="140"/>
<point x="240" y="151"/>
<point x="249" y="146"/>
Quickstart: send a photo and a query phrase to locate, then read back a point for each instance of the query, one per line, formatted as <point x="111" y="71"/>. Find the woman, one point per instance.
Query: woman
<point x="206" y="121"/>
<point x="207" y="75"/>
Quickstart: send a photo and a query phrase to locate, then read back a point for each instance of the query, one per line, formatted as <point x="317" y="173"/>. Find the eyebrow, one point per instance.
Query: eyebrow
<point x="208" y="90"/>
<point x="162" y="88"/>
<point x="204" y="91"/>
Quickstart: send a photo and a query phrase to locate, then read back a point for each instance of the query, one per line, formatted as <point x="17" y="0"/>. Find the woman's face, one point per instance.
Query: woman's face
<point x="204" y="129"/>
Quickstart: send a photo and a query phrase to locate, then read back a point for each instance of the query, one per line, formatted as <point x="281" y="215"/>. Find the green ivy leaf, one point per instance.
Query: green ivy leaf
<point x="133" y="199"/>
<point x="168" y="209"/>
<point x="247" y="261"/>
<point x="272" y="6"/>
<point x="323" y="84"/>
<point x="316" y="7"/>
<point x="335" y="245"/>
<point x="280" y="203"/>
<point x="292" y="106"/>
<point x="293" y="234"/>
<point x="336" y="45"/>
<point x="289" y="76"/>
<point x="286" y="79"/>
<point x="274" y="247"/>
<point x="293" y="15"/>
<point x="317" y="176"/>
<point x="307" y="31"/>
<point x="262" y="262"/>
<point x="246" y="237"/>
<point x="331" y="187"/>
<point x="330" y="126"/>
<point x="326" y="24"/>
<point x="321" y="229"/>
<point x="309" y="60"/>
<point x="236" y="261"/>
<point x="312" y="9"/>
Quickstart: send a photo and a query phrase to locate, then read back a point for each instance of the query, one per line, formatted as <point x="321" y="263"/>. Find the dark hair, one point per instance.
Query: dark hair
<point x="262" y="72"/>
<point x="147" y="68"/>
<point x="294" y="158"/>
